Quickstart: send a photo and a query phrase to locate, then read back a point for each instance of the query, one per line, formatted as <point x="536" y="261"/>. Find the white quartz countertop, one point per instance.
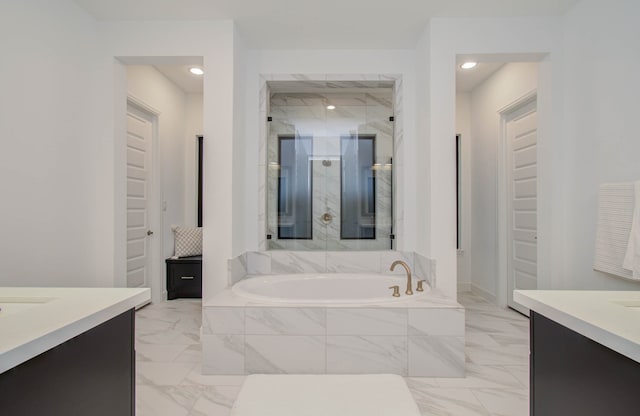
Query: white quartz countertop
<point x="607" y="317"/>
<point x="34" y="320"/>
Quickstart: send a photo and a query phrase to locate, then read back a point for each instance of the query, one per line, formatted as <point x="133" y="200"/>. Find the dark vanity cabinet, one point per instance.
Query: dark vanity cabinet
<point x="184" y="277"/>
<point x="574" y="375"/>
<point x="90" y="374"/>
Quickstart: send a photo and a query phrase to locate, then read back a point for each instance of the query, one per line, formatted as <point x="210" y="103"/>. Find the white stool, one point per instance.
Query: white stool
<point x="324" y="395"/>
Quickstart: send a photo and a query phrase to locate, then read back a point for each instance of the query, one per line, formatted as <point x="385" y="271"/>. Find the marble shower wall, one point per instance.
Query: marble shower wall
<point x="365" y="109"/>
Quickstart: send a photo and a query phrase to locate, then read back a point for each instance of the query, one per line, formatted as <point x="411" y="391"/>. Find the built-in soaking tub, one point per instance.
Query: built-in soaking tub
<point x="325" y="289"/>
<point x="332" y="323"/>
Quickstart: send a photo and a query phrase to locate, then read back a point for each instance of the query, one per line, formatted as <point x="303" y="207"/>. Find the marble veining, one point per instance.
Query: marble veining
<point x="436" y="322"/>
<point x="352" y="262"/>
<point x="286" y="262"/>
<point x="331" y="261"/>
<point x="305" y="113"/>
<point x="223" y="321"/>
<point x="285" y="354"/>
<point x="285" y="321"/>
<point x="422" y="336"/>
<point x="366" y="321"/>
<point x="224" y="354"/>
<point x="258" y="262"/>
<point x="444" y="402"/>
<point x="439" y="356"/>
<point x="487" y="390"/>
<point x="366" y="354"/>
<point x="237" y="268"/>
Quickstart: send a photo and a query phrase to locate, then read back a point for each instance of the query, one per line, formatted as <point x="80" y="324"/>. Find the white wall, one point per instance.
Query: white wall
<point x="422" y="172"/>
<point x="463" y="128"/>
<point x="213" y="41"/>
<point x="240" y="171"/>
<point x="343" y="62"/>
<point x="448" y="38"/>
<point x="587" y="95"/>
<point x="51" y="212"/>
<point x="599" y="141"/>
<point x="193" y="128"/>
<point x="64" y="219"/>
<point x="510" y="83"/>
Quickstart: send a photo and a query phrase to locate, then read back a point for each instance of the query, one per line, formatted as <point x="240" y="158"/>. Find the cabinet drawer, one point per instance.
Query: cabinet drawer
<point x="184" y="280"/>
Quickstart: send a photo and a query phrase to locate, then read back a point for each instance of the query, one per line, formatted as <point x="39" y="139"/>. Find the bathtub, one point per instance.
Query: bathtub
<point x="325" y="289"/>
<point x="332" y="323"/>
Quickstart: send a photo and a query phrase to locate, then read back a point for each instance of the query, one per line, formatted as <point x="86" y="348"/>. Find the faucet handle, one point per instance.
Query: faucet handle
<point x="396" y="291"/>
<point x="420" y="288"/>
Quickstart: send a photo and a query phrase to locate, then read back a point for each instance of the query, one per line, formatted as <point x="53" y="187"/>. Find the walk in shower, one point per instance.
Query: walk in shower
<point x="330" y="165"/>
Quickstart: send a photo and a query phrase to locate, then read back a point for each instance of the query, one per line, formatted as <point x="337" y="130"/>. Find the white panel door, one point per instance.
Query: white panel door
<point x="139" y="140"/>
<point x="522" y="138"/>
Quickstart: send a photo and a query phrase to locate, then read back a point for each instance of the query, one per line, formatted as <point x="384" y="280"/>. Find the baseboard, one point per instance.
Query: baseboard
<point x="464" y="287"/>
<point x="477" y="290"/>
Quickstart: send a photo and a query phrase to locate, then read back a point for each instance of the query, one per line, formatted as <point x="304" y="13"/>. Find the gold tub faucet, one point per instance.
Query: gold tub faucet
<point x="409" y="291"/>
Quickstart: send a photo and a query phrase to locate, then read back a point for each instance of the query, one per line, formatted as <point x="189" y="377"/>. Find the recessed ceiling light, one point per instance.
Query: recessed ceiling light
<point x="331" y="107"/>
<point x="468" y="65"/>
<point x="196" y="71"/>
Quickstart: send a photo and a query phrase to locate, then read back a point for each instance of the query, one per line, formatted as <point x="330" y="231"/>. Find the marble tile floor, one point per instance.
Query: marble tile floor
<point x="169" y="381"/>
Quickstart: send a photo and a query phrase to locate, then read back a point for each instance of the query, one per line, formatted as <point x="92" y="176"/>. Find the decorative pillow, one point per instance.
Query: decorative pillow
<point x="188" y="241"/>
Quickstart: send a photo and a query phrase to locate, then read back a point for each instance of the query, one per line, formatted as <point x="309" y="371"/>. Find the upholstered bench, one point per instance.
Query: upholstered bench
<point x="323" y="395"/>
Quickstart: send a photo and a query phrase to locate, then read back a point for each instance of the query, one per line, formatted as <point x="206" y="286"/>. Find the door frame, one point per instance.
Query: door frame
<point x="156" y="271"/>
<point x="503" y="192"/>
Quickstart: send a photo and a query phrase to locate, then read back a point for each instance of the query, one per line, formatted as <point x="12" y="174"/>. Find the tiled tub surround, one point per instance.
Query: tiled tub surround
<point x="291" y="262"/>
<point x="423" y="338"/>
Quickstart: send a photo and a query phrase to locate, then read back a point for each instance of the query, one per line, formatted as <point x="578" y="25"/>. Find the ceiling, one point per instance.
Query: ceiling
<point x="330" y="24"/>
<point x="468" y="79"/>
<point x="180" y="75"/>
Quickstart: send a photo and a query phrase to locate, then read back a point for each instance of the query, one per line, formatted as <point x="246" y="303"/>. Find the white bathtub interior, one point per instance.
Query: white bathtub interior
<point x="324" y="289"/>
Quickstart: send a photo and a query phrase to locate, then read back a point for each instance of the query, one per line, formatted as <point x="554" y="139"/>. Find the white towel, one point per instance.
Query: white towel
<point x="615" y="215"/>
<point x="632" y="256"/>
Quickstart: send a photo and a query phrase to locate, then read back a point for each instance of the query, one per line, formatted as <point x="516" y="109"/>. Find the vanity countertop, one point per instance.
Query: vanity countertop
<point x="611" y="318"/>
<point x="34" y="320"/>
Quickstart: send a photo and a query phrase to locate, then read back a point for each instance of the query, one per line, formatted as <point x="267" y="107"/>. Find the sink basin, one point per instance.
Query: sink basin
<point x="631" y="304"/>
<point x="12" y="305"/>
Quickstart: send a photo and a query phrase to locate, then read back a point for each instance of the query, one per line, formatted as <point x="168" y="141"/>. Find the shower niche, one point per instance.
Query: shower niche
<point x="330" y="165"/>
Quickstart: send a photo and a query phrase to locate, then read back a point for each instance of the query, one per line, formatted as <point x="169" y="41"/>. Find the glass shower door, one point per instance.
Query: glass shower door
<point x="329" y="171"/>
